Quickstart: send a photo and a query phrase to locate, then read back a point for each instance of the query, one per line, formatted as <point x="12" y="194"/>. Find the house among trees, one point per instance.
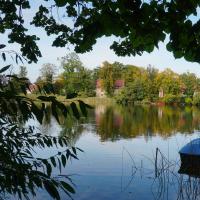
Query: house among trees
<point x="182" y="91"/>
<point x="32" y="88"/>
<point x="161" y="93"/>
<point x="100" y="91"/>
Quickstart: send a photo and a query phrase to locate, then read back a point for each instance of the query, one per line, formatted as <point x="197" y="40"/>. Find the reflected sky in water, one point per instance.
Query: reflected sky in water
<point x="119" y="155"/>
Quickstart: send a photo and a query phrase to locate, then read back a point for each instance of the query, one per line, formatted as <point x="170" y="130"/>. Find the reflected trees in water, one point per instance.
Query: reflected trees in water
<point x="117" y="122"/>
<point x="114" y="123"/>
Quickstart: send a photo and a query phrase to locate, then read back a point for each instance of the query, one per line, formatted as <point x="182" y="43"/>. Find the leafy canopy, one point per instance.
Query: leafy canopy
<point x="77" y="79"/>
<point x="138" y="25"/>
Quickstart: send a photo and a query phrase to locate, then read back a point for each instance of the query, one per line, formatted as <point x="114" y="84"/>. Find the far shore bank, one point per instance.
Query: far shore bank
<point x="89" y="100"/>
<point x="93" y="101"/>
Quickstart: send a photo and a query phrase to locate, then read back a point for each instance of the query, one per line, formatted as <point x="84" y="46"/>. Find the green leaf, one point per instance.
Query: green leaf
<point x="83" y="107"/>
<point x="74" y="150"/>
<point x="169" y="47"/>
<point x="63" y="158"/>
<point x="61" y="3"/>
<point x="2" y="46"/>
<point x="4" y="68"/>
<point x="75" y="110"/>
<point x="68" y="153"/>
<point x="75" y="157"/>
<point x="37" y="112"/>
<point x="51" y="189"/>
<point x="178" y="54"/>
<point x="4" y="56"/>
<point x="54" y="112"/>
<point x="60" y="142"/>
<point x="53" y="161"/>
<point x="46" y="98"/>
<point x="55" y="141"/>
<point x="79" y="149"/>
<point x="62" y="108"/>
<point x="49" y="169"/>
<point x="67" y="187"/>
<point x="59" y="164"/>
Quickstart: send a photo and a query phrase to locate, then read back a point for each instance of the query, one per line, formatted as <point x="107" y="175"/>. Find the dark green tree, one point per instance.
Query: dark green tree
<point x="153" y="21"/>
<point x="77" y="79"/>
<point x="118" y="70"/>
<point x="132" y="92"/>
<point x="153" y="89"/>
<point x="170" y="82"/>
<point x="190" y="82"/>
<point x="106" y="74"/>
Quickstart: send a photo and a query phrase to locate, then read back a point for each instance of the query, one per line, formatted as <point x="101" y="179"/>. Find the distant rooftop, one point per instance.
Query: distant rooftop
<point x="118" y="83"/>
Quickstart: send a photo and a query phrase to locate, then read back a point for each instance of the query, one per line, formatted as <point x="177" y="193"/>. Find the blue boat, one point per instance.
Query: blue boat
<point x="190" y="158"/>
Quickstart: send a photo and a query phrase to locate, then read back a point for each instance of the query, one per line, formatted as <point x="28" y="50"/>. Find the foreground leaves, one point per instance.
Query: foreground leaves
<point x="21" y="172"/>
<point x="138" y="26"/>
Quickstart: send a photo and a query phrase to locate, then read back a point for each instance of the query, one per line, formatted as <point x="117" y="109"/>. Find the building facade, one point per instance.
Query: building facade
<point x="100" y="92"/>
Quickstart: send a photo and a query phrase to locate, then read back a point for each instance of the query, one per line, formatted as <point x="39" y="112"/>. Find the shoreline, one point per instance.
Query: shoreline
<point x="93" y="101"/>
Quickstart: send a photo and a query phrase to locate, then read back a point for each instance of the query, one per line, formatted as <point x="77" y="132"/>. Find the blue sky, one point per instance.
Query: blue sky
<point x="160" y="58"/>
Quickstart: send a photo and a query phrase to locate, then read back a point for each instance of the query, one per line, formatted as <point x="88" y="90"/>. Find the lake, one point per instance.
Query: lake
<point x="129" y="152"/>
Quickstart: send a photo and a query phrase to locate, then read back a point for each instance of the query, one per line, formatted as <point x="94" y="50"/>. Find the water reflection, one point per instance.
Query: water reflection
<point x="115" y="122"/>
<point x="167" y="184"/>
<point x="120" y="152"/>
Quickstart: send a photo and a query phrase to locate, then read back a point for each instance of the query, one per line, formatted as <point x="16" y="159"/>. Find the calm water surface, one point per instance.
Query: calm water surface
<point x="119" y="158"/>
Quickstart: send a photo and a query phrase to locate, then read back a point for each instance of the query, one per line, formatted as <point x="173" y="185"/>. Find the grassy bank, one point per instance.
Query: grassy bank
<point x="93" y="101"/>
<point x="98" y="100"/>
<point x="89" y="100"/>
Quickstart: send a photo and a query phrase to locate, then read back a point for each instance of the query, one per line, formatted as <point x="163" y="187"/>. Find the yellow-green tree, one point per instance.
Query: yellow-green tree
<point x="106" y="73"/>
<point x="169" y="81"/>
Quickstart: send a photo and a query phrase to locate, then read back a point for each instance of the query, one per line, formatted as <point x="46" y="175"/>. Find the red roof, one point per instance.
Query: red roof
<point x="98" y="83"/>
<point x="119" y="83"/>
<point x="32" y="87"/>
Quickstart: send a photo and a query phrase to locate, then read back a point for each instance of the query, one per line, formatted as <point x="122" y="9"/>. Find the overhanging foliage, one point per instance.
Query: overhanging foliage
<point x="21" y="172"/>
<point x="139" y="25"/>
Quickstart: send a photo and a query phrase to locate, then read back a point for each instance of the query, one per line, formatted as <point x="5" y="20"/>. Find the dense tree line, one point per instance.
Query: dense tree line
<point x="150" y="85"/>
<point x="133" y="121"/>
<point x="75" y="80"/>
<point x="146" y="84"/>
<point x="140" y="83"/>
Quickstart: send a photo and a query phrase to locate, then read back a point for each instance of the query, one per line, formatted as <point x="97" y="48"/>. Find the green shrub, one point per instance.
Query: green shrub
<point x="188" y="100"/>
<point x="170" y="99"/>
<point x="125" y="96"/>
<point x="88" y="93"/>
<point x="121" y="97"/>
<point x="133" y="92"/>
<point x="181" y="99"/>
<point x="145" y="101"/>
